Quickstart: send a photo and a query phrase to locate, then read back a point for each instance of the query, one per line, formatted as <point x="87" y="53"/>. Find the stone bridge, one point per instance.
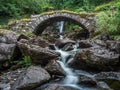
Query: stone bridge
<point x="40" y="22"/>
<point x="37" y="23"/>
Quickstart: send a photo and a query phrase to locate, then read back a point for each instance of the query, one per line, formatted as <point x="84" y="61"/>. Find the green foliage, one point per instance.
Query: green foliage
<point x="27" y="61"/>
<point x="47" y="8"/>
<point x="107" y="22"/>
<point x="118" y="16"/>
<point x="105" y="7"/>
<point x="44" y="36"/>
<point x="15" y="8"/>
<point x="117" y="37"/>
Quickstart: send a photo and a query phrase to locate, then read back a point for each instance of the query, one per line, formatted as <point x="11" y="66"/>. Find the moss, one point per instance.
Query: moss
<point x="28" y="34"/>
<point x="26" y="19"/>
<point x="4" y="31"/>
<point x="109" y="6"/>
<point x="82" y="14"/>
<point x="117" y="37"/>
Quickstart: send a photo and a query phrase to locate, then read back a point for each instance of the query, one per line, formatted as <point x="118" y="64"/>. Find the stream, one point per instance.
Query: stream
<point x="72" y="76"/>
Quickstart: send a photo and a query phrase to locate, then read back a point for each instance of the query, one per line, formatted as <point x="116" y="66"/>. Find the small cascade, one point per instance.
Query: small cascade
<point x="60" y="27"/>
<point x="72" y="76"/>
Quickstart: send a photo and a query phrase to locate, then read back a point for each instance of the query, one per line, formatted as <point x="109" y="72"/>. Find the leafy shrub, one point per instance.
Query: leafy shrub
<point x="27" y="61"/>
<point x="106" y="22"/>
<point x="47" y="8"/>
<point x="109" y="6"/>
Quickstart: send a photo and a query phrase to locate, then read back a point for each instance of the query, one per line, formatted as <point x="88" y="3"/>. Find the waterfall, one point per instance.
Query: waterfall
<point x="71" y="78"/>
<point x="60" y="27"/>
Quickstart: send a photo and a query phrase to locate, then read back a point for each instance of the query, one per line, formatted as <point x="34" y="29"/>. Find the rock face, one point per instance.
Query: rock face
<point x="55" y="69"/>
<point x="94" y="55"/>
<point x="8" y="47"/>
<point x="107" y="75"/>
<point x="38" y="54"/>
<point x="114" y="46"/>
<point x="61" y="43"/>
<point x="6" y="51"/>
<point x="91" y="43"/>
<point x="88" y="81"/>
<point x="40" y="42"/>
<point x="8" y="38"/>
<point x="112" y="79"/>
<point x="31" y="78"/>
<point x="54" y="87"/>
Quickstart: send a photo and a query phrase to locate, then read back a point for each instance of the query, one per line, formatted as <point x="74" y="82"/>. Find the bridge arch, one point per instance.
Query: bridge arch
<point x="40" y="22"/>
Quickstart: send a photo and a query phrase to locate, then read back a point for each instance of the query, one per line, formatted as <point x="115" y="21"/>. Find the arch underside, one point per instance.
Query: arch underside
<point x="41" y="26"/>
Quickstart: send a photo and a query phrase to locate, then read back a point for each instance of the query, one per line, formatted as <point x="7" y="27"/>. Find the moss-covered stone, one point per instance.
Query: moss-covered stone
<point x="104" y="7"/>
<point x="82" y="14"/>
<point x="4" y="31"/>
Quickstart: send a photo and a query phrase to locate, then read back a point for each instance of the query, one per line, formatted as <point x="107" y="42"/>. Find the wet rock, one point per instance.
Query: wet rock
<point x="113" y="46"/>
<point x="114" y="84"/>
<point x="55" y="87"/>
<point x="104" y="36"/>
<point x="52" y="47"/>
<point x="6" y="51"/>
<point x="31" y="78"/>
<point x="91" y="43"/>
<point x="55" y="69"/>
<point x="2" y="58"/>
<point x="103" y="85"/>
<point x="95" y="59"/>
<point x="84" y="44"/>
<point x="108" y="75"/>
<point x="87" y="81"/>
<point x="22" y="36"/>
<point x="8" y="38"/>
<point x="62" y="42"/>
<point x="112" y="79"/>
<point x="39" y="41"/>
<point x="38" y="54"/>
<point x="4" y="86"/>
<point x="9" y="77"/>
<point x="68" y="47"/>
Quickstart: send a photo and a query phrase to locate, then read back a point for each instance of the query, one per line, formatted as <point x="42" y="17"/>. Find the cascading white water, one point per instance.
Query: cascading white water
<point x="71" y="78"/>
<point x="60" y="26"/>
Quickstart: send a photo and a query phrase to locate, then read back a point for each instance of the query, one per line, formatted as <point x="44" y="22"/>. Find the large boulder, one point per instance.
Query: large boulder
<point x="38" y="54"/>
<point x="4" y="86"/>
<point x="6" y="51"/>
<point x="55" y="69"/>
<point x="60" y="43"/>
<point x="87" y="81"/>
<point x="91" y="43"/>
<point x="113" y="46"/>
<point x="8" y="48"/>
<point x="8" y="37"/>
<point x="95" y="59"/>
<point x="31" y="78"/>
<point x="112" y="79"/>
<point x="40" y="42"/>
<point x="54" y="87"/>
<point x="107" y="75"/>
